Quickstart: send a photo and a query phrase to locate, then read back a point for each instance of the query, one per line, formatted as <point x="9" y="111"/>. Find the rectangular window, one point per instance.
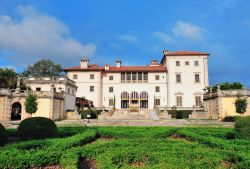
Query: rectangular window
<point x="111" y="89"/>
<point x="38" y="89"/>
<point x="196" y="63"/>
<point x="157" y="89"/>
<point x="123" y="77"/>
<point x="74" y="76"/>
<point x="187" y="63"/>
<point x="157" y="77"/>
<point x="197" y="78"/>
<point x="178" y="78"/>
<point x="134" y="77"/>
<point x="140" y="77"/>
<point x="177" y="63"/>
<point x="157" y="102"/>
<point x="198" y="101"/>
<point x="128" y="77"/>
<point x="92" y="76"/>
<point x="111" y="102"/>
<point x="111" y="77"/>
<point x="145" y="77"/>
<point x="91" y="88"/>
<point x="178" y="101"/>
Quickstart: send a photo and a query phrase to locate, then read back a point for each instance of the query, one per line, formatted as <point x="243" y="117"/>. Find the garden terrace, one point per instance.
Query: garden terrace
<point x="130" y="147"/>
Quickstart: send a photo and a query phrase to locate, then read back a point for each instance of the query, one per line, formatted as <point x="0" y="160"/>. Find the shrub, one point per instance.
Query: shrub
<point x="230" y="118"/>
<point x="3" y="135"/>
<point x="242" y="127"/>
<point x="37" y="128"/>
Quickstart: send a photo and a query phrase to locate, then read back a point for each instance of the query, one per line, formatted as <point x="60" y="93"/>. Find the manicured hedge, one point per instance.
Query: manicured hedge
<point x="242" y="127"/>
<point x="37" y="128"/>
<point x="230" y="118"/>
<point x="39" y="153"/>
<point x="3" y="135"/>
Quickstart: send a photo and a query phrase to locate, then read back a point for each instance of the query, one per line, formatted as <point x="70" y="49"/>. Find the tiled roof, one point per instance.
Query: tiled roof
<point x="158" y="68"/>
<point x="78" y="68"/>
<point x="178" y="53"/>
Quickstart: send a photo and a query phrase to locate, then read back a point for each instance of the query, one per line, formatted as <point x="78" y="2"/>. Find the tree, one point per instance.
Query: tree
<point x="8" y="78"/>
<point x="240" y="105"/>
<point x="43" y="68"/>
<point x="31" y="103"/>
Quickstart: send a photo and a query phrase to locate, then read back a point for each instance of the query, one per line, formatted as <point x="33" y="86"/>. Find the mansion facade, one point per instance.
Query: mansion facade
<point x="177" y="81"/>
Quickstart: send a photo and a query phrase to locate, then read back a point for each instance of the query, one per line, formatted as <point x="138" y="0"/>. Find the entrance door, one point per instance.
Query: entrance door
<point x="143" y="100"/>
<point x="124" y="104"/>
<point x="16" y="111"/>
<point x="144" y="104"/>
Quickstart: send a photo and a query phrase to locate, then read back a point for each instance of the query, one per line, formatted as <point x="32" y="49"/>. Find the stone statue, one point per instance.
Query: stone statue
<point x="18" y="84"/>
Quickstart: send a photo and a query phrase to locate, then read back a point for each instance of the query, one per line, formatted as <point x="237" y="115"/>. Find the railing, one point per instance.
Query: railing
<point x="227" y="93"/>
<point x="180" y="108"/>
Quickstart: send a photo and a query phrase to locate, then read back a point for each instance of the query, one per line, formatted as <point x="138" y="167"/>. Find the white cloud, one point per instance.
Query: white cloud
<point x="128" y="38"/>
<point x="163" y="37"/>
<point x="38" y="34"/>
<point x="188" y="31"/>
<point x="116" y="46"/>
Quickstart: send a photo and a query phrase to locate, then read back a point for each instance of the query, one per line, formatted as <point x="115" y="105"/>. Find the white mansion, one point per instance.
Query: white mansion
<point x="178" y="80"/>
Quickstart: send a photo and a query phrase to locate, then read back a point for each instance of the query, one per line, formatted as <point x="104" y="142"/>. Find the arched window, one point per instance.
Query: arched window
<point x="125" y="96"/>
<point x="134" y="96"/>
<point x="144" y="96"/>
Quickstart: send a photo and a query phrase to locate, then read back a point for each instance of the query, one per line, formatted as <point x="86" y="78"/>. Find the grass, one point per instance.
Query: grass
<point x="132" y="147"/>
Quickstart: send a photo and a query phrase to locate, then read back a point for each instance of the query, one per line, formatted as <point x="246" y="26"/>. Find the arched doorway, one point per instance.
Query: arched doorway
<point x="143" y="100"/>
<point x="124" y="100"/>
<point x="134" y="98"/>
<point x="16" y="111"/>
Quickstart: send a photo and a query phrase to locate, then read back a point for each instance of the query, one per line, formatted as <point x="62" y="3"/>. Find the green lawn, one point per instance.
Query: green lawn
<point x="131" y="147"/>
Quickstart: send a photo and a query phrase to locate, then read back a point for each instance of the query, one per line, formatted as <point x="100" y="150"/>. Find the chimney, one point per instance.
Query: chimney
<point x="118" y="63"/>
<point x="106" y="67"/>
<point x="84" y="63"/>
<point x="154" y="62"/>
<point x="165" y="52"/>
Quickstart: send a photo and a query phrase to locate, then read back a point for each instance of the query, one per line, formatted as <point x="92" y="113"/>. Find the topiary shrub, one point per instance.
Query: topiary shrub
<point x="242" y="127"/>
<point x="230" y="118"/>
<point x="3" y="135"/>
<point x="37" y="128"/>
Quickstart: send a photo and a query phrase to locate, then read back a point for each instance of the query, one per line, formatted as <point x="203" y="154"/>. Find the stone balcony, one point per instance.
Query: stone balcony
<point x="50" y="80"/>
<point x="227" y="93"/>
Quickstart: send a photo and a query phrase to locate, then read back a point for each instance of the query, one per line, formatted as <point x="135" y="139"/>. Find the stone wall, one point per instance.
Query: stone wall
<point x="50" y="105"/>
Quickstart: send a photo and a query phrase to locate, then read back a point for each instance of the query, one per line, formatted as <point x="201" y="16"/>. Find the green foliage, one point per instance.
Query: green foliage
<point x="39" y="153"/>
<point x="31" y="103"/>
<point x="230" y="118"/>
<point x="37" y="128"/>
<point x="8" y="78"/>
<point x="133" y="147"/>
<point x="3" y="135"/>
<point x="43" y="68"/>
<point x="240" y="104"/>
<point x="225" y="86"/>
<point x="180" y="114"/>
<point x="242" y="127"/>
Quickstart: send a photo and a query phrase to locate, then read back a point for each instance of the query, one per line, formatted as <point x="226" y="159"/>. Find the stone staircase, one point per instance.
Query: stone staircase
<point x="128" y="115"/>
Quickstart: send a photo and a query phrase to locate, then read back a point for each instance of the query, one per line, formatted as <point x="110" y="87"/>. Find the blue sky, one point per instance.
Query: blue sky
<point x="134" y="31"/>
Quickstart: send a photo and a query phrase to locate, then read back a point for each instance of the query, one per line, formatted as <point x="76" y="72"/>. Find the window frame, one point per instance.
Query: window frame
<point x="176" y="78"/>
<point x="92" y="76"/>
<point x="92" y="87"/>
<point x="177" y="63"/>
